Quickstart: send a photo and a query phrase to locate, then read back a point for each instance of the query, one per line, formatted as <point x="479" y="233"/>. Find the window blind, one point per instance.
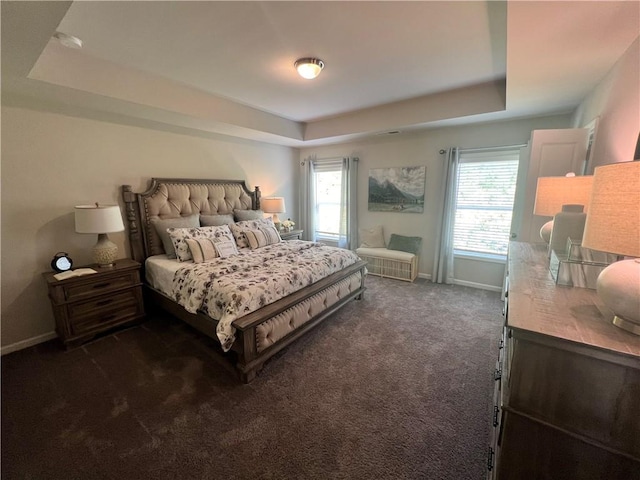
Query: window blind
<point x="486" y="185"/>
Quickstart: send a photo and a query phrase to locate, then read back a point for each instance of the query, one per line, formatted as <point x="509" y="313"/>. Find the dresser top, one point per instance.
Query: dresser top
<point x="537" y="304"/>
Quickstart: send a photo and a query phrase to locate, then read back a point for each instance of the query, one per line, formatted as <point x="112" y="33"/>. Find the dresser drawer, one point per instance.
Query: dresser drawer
<point x="102" y="304"/>
<point x="99" y="286"/>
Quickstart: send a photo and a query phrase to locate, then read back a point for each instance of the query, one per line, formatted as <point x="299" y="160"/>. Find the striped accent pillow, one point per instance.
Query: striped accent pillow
<point x="202" y="249"/>
<point x="262" y="237"/>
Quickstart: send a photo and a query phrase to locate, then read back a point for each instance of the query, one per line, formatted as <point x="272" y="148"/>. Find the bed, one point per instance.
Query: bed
<point x="320" y="280"/>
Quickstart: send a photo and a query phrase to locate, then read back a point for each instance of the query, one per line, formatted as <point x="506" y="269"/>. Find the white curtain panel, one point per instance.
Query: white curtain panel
<point x="307" y="207"/>
<point x="443" y="261"/>
<point x="349" y="204"/>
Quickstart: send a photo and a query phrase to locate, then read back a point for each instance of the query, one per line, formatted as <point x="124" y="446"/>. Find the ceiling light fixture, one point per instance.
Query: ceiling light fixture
<point x="309" y="67"/>
<point x="68" y="40"/>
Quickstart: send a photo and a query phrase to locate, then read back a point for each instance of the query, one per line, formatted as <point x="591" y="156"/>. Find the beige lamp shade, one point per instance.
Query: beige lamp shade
<point x="273" y="205"/>
<point x="554" y="192"/>
<point x="613" y="225"/>
<point x="613" y="220"/>
<point x="98" y="219"/>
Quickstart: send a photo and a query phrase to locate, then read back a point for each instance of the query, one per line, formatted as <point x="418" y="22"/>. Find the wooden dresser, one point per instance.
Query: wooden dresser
<point x="567" y="382"/>
<point x="91" y="304"/>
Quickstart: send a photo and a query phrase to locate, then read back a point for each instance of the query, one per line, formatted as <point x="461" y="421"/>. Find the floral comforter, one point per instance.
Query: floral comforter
<point x="229" y="288"/>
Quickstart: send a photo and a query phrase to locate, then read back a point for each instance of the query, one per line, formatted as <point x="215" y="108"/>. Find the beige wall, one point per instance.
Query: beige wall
<point x="52" y="162"/>
<point x="615" y="102"/>
<point x="423" y="148"/>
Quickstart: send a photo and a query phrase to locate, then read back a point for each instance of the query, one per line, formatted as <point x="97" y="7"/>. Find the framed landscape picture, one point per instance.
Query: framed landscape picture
<point x="397" y="189"/>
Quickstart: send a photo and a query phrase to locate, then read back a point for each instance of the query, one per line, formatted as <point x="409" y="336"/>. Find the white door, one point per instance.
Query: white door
<point x="550" y="153"/>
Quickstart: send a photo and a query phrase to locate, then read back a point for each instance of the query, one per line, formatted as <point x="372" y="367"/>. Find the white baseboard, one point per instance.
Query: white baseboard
<point x="426" y="276"/>
<point x="30" y="342"/>
<point x="481" y="286"/>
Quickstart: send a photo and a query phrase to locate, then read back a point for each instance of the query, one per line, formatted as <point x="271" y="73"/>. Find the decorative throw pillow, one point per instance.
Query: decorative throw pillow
<point x="371" y="237"/>
<point x="405" y="244"/>
<point x="202" y="249"/>
<point x="180" y="235"/>
<point x="162" y="225"/>
<point x="262" y="237"/>
<point x="216" y="220"/>
<point x="226" y="249"/>
<point x="207" y="249"/>
<point x="238" y="229"/>
<point x="243" y="215"/>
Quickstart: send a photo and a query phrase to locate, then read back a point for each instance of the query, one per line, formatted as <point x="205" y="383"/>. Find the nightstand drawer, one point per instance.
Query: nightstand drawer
<point x="102" y="304"/>
<point x="99" y="286"/>
<point x="104" y="318"/>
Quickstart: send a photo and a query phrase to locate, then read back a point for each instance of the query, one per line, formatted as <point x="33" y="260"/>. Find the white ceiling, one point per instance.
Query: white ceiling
<point x="227" y="67"/>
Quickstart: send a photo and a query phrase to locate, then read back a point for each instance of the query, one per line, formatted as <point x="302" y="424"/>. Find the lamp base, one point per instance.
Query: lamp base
<point x="619" y="289"/>
<point x="105" y="251"/>
<point x="626" y="325"/>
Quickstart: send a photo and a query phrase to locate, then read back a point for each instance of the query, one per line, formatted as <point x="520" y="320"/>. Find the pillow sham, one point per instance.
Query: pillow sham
<point x="244" y="215"/>
<point x="371" y="237"/>
<point x="216" y="220"/>
<point x="207" y="249"/>
<point x="238" y="229"/>
<point x="180" y="235"/>
<point x="405" y="244"/>
<point x="162" y="225"/>
<point x="262" y="237"/>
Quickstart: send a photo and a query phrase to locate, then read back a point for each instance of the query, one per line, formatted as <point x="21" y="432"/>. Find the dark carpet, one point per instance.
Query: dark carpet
<point x="395" y="386"/>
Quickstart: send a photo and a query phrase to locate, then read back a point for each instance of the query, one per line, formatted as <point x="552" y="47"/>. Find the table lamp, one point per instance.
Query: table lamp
<point x="273" y="205"/>
<point x="566" y="199"/>
<point x="613" y="225"/>
<point x="100" y="219"/>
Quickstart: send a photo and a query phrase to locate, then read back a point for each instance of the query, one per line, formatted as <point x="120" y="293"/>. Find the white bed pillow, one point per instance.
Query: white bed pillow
<point x="261" y="237"/>
<point x="179" y="236"/>
<point x="238" y="229"/>
<point x="371" y="237"/>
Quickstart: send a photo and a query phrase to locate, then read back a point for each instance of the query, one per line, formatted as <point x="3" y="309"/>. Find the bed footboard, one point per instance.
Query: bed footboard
<point x="265" y="332"/>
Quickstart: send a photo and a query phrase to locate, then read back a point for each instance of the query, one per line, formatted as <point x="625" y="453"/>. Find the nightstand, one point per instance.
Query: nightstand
<point x="292" y="235"/>
<point x="91" y="304"/>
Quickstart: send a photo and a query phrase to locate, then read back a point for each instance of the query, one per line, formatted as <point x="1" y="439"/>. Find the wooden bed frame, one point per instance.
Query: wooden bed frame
<point x="175" y="197"/>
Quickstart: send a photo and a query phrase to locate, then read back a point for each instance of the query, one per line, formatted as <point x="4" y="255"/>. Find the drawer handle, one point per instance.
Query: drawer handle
<point x="490" y="459"/>
<point x="102" y="285"/>
<point x="496" y="411"/>
<point x="109" y="317"/>
<point x="104" y="302"/>
<point x="497" y="375"/>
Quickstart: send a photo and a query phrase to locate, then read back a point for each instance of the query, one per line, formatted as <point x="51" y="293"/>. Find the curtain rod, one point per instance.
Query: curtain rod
<point x="484" y="149"/>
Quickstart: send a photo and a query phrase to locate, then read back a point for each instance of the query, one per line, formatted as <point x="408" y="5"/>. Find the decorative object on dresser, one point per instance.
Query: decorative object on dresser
<point x="100" y="219"/>
<point x="566" y="199"/>
<point x="61" y="262"/>
<point x="613" y="225"/>
<point x="87" y="305"/>
<point x="274" y="205"/>
<point x="567" y="382"/>
<point x="292" y="235"/>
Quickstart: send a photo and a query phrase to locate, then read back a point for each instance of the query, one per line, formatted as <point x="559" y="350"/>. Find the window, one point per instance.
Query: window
<point x="327" y="186"/>
<point x="486" y="185"/>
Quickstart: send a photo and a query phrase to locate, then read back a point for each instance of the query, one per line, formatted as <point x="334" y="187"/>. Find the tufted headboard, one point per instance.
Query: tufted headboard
<point x="179" y="197"/>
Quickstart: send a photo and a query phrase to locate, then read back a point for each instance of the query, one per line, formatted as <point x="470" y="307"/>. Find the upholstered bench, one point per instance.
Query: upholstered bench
<point x="390" y="263"/>
<point x="399" y="259"/>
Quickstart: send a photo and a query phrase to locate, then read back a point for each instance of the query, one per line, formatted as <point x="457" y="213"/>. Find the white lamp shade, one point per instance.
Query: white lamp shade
<point x="273" y="205"/>
<point x="613" y="220"/>
<point x="554" y="192"/>
<point x="98" y="219"/>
